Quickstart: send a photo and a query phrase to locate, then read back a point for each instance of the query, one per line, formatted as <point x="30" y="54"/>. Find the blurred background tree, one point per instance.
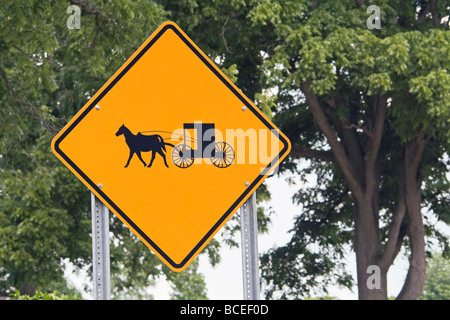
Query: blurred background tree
<point x="437" y="284"/>
<point x="370" y="111"/>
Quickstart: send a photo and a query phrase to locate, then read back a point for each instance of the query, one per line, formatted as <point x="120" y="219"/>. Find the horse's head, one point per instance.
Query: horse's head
<point x="121" y="130"/>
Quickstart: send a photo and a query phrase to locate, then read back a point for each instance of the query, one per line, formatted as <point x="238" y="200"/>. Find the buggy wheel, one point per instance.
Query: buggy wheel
<point x="223" y="155"/>
<point x="182" y="156"/>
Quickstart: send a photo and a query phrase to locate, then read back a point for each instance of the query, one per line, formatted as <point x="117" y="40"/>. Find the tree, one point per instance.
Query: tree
<point x="47" y="73"/>
<point x="437" y="284"/>
<point x="370" y="109"/>
<point x="189" y="285"/>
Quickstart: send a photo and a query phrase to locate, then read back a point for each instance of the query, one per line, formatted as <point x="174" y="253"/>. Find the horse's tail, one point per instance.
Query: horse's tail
<point x="169" y="144"/>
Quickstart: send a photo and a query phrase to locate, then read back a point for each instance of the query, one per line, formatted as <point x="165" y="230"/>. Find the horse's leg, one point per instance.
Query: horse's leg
<point x="129" y="158"/>
<point x="140" y="158"/>
<point x="164" y="157"/>
<point x="153" y="158"/>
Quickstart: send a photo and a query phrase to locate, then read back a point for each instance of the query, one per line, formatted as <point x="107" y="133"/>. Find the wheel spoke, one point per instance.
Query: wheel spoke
<point x="181" y="156"/>
<point x="224" y="155"/>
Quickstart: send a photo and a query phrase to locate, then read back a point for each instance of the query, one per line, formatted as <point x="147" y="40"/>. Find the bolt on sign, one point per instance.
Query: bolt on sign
<point x="171" y="146"/>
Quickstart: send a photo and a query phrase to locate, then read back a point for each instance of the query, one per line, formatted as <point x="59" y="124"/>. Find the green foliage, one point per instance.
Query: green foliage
<point x="224" y="30"/>
<point x="188" y="285"/>
<point x="39" y="225"/>
<point x="42" y="296"/>
<point x="437" y="284"/>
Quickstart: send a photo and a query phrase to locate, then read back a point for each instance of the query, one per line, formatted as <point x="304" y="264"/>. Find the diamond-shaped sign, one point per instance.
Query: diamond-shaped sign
<point x="171" y="146"/>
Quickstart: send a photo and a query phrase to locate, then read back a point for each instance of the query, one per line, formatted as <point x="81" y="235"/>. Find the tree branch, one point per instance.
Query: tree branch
<point x="436" y="18"/>
<point x="374" y="142"/>
<point x="34" y="110"/>
<point x="395" y="237"/>
<point x="92" y="11"/>
<point x="223" y="35"/>
<point x="86" y="9"/>
<point x="429" y="8"/>
<point x="97" y="32"/>
<point x="414" y="150"/>
<point x="363" y="128"/>
<point x="336" y="147"/>
<point x="377" y="132"/>
<point x="304" y="152"/>
<point x="415" y="278"/>
<point x="345" y="131"/>
<point x="360" y="3"/>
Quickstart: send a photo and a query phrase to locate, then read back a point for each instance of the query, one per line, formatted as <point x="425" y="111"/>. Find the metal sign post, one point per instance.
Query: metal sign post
<point x="249" y="249"/>
<point x="100" y="249"/>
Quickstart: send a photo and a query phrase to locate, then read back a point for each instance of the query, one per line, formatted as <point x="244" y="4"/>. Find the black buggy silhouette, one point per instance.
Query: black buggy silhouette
<point x="220" y="153"/>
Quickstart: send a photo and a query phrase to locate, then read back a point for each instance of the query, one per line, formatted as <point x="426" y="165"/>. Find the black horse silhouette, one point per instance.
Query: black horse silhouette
<point x="142" y="143"/>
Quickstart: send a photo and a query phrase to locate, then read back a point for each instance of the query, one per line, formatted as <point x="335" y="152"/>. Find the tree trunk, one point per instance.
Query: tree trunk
<point x="415" y="278"/>
<point x="367" y="239"/>
<point x="368" y="251"/>
<point x="28" y="289"/>
<point x="362" y="171"/>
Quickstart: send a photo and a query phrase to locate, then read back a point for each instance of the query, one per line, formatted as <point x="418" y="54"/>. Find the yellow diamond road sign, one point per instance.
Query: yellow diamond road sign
<point x="171" y="146"/>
